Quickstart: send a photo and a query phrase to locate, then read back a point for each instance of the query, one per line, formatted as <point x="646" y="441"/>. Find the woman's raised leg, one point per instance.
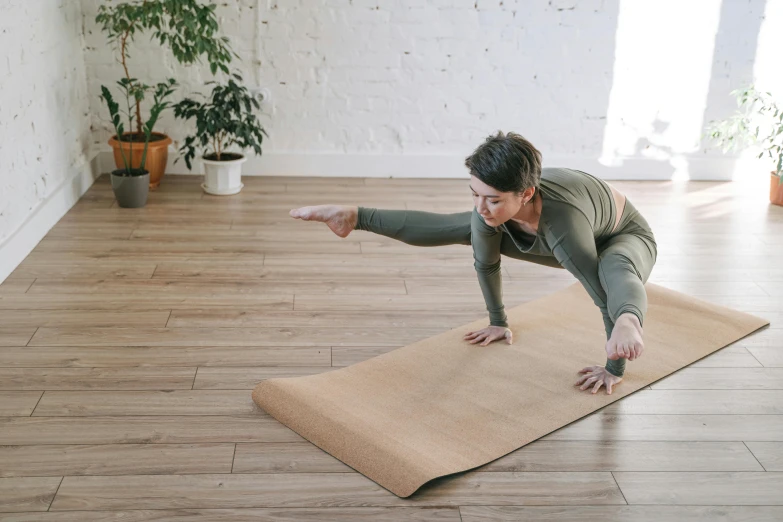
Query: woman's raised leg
<point x="414" y="227"/>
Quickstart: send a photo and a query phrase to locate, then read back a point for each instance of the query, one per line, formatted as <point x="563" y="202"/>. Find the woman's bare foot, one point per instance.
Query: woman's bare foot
<point x="626" y="339"/>
<point x="340" y="219"/>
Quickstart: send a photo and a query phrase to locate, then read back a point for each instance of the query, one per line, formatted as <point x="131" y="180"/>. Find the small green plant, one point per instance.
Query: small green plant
<point x="224" y="119"/>
<point x="188" y="27"/>
<point x="758" y="121"/>
<point x="133" y="90"/>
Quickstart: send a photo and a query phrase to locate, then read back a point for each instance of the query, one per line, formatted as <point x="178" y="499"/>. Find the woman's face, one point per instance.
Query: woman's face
<point x="494" y="206"/>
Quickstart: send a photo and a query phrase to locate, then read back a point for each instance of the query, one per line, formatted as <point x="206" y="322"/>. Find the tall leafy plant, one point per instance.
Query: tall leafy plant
<point x="188" y="27"/>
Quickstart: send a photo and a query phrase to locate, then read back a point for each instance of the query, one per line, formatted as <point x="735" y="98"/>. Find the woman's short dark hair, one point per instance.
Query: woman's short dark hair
<point x="506" y="162"/>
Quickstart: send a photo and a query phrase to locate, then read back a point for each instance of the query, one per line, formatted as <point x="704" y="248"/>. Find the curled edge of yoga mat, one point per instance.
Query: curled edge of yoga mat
<point x="442" y="405"/>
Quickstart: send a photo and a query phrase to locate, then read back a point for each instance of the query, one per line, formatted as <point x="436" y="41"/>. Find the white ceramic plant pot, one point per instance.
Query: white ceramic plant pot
<point x="223" y="178"/>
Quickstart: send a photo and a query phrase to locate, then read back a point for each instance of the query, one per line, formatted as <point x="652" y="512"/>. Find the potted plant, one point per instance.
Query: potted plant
<point x="189" y="29"/>
<point x="131" y="184"/>
<point x="223" y="120"/>
<point x="759" y="110"/>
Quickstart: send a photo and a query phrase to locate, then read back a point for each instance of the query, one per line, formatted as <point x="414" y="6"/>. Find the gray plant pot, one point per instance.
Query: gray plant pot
<point x="130" y="191"/>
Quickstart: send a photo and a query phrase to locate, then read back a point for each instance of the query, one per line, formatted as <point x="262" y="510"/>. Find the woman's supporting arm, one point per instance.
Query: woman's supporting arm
<point x="486" y="254"/>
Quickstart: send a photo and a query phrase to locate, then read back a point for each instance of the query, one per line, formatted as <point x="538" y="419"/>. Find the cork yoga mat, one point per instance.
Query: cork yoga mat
<point x="442" y="405"/>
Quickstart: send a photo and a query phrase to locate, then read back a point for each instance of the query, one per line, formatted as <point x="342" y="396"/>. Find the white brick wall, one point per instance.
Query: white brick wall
<point x="44" y="113"/>
<point x="434" y="77"/>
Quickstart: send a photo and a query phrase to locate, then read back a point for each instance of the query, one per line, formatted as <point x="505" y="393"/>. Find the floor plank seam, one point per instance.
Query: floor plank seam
<point x="754" y="456"/>
<point x="619" y="488"/>
<point x="32" y="336"/>
<point x="757" y="359"/>
<point x="762" y="288"/>
<point x="55" y="494"/>
<point x="37" y="403"/>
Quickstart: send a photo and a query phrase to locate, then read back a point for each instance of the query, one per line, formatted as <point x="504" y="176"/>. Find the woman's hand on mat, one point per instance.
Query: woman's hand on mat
<point x="597" y="376"/>
<point x="490" y="334"/>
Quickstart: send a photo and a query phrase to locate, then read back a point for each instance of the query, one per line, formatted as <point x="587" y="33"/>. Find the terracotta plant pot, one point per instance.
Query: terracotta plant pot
<point x="775" y="190"/>
<point x="157" y="154"/>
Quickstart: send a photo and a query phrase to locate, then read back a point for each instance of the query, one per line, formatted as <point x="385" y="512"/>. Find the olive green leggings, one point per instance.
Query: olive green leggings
<point x="626" y="256"/>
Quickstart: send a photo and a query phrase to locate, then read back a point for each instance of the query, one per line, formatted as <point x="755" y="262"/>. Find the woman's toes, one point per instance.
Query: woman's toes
<point x="299" y="213"/>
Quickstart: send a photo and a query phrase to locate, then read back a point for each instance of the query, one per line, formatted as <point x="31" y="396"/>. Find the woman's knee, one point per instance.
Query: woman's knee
<point x="617" y="262"/>
<point x="619" y="277"/>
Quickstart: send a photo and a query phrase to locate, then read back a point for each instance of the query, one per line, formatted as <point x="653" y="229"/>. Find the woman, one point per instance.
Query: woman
<point x="557" y="217"/>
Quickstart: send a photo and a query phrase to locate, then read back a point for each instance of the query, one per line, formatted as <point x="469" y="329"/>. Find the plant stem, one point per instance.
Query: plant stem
<point x="127" y="75"/>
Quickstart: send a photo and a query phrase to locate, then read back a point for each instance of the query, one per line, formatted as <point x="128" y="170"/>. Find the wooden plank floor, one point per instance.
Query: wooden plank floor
<point x="130" y="341"/>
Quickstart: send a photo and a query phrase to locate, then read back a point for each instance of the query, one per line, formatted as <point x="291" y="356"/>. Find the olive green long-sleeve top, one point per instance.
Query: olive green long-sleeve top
<point x="578" y="212"/>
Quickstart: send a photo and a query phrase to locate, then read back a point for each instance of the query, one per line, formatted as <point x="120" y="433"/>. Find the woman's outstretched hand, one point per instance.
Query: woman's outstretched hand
<point x="489" y="334"/>
<point x="597" y="376"/>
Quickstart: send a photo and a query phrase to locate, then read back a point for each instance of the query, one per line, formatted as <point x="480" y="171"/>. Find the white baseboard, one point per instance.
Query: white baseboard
<point x="448" y="166"/>
<point x="23" y="240"/>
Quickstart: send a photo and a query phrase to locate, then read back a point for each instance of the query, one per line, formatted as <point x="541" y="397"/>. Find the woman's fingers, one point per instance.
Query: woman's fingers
<point x="491" y="338"/>
<point x="509" y="336"/>
<point x="598" y="385"/>
<point x="588" y="382"/>
<point x="497" y="337"/>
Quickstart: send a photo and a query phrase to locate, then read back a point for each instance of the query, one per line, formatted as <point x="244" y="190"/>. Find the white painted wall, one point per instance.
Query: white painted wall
<point x="621" y="88"/>
<point x="45" y="136"/>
